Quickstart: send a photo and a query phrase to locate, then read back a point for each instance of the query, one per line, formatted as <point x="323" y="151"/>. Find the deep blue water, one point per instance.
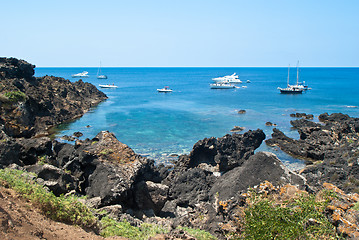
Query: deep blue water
<point x="160" y="124"/>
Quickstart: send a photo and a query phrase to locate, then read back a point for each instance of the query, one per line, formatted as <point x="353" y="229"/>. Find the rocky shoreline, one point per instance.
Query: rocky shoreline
<point x="202" y="189"/>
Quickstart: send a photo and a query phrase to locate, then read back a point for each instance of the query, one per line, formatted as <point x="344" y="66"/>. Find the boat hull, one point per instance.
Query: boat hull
<point x="291" y="91"/>
<point x="221" y="86"/>
<point x="164" y="90"/>
<point x="102" y="77"/>
<point x="107" y="86"/>
<point x="78" y="76"/>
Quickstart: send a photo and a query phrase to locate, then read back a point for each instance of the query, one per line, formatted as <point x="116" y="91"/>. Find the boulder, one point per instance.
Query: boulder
<point x="237" y="129"/>
<point x="223" y="153"/>
<point x="263" y="166"/>
<point x="57" y="180"/>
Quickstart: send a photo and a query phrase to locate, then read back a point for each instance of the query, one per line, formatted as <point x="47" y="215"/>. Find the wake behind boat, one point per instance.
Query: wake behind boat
<point x="228" y="78"/>
<point x="84" y="74"/>
<point x="108" y="86"/>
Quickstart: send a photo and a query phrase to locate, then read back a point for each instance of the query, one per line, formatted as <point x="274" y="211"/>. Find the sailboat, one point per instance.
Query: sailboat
<point x="300" y="85"/>
<point x="99" y="75"/>
<point x="291" y="89"/>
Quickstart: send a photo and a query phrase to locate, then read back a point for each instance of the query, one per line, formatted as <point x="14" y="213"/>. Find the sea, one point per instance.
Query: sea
<point x="162" y="126"/>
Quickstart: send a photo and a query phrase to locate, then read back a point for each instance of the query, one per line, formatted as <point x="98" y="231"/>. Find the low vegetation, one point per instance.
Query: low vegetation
<point x="63" y="209"/>
<point x="124" y="229"/>
<point x="15" y="96"/>
<point x="198" y="234"/>
<point x="298" y="218"/>
<point x="69" y="210"/>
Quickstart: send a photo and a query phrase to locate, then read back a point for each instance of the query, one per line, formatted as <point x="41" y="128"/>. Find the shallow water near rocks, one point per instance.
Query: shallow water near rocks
<point x="159" y="125"/>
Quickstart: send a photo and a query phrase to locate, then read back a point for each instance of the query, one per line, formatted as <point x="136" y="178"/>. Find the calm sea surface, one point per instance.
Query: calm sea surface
<point x="158" y="125"/>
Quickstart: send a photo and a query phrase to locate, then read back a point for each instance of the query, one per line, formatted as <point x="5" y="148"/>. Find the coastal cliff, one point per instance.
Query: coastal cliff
<point x="29" y="106"/>
<point x="217" y="187"/>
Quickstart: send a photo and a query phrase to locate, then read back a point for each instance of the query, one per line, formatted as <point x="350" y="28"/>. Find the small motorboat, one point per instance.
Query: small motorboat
<point x="84" y="74"/>
<point x="108" y="86"/>
<point x="165" y="89"/>
<point x="222" y="85"/>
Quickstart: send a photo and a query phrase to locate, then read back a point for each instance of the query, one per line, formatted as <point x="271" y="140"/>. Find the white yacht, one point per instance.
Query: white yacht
<point x="84" y="74"/>
<point x="228" y="78"/>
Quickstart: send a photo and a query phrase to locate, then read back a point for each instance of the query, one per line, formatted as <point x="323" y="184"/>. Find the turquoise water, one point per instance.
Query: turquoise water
<point x="161" y="124"/>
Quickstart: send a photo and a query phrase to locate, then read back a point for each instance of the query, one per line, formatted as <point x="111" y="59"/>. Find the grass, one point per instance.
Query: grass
<point x="63" y="209"/>
<point x="301" y="218"/>
<point x="124" y="229"/>
<point x="15" y="96"/>
<point x="70" y="210"/>
<point x="198" y="233"/>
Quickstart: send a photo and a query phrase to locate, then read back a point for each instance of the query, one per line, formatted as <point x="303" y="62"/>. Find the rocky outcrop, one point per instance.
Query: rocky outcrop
<point x="333" y="145"/>
<point x="222" y="154"/>
<point x="262" y="166"/>
<point x="30" y="106"/>
<point x="302" y="115"/>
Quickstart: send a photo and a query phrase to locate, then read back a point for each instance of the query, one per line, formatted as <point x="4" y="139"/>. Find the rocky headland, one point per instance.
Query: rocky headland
<point x="206" y="189"/>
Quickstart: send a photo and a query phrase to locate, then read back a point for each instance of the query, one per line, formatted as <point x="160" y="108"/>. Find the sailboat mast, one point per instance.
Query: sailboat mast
<point x="297" y="72"/>
<point x="288" y="76"/>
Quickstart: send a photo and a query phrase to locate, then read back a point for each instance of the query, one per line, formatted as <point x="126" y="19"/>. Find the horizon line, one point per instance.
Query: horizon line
<point x="196" y="66"/>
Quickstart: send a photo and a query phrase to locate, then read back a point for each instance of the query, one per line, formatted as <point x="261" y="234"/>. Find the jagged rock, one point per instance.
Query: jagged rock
<point x="223" y="153"/>
<point x="15" y="68"/>
<point x="9" y="151"/>
<point x="57" y="180"/>
<point x="150" y="195"/>
<point x="33" y="149"/>
<point x="237" y="129"/>
<point x="113" y="211"/>
<point x="262" y="166"/>
<point x="78" y="134"/>
<point x="45" y="101"/>
<point x="335" y="143"/>
<point x="191" y="187"/>
<point x="302" y="115"/>
<point x="269" y="124"/>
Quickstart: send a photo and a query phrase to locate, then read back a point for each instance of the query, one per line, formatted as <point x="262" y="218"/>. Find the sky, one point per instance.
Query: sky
<point x="185" y="33"/>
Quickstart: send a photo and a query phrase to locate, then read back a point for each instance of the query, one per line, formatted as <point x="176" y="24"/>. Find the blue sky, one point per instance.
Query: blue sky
<point x="181" y="32"/>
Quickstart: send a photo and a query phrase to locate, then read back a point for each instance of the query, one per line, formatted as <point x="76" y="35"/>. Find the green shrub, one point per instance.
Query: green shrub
<point x="302" y="218"/>
<point x="111" y="227"/>
<point x="198" y="233"/>
<point x="64" y="209"/>
<point x="15" y="96"/>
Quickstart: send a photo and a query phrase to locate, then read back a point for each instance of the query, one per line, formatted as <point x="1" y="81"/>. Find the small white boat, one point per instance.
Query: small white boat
<point x="108" y="86"/>
<point x="222" y="85"/>
<point x="165" y="89"/>
<point x="84" y="74"/>
<point x="248" y="81"/>
<point x="99" y="75"/>
<point x="229" y="78"/>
